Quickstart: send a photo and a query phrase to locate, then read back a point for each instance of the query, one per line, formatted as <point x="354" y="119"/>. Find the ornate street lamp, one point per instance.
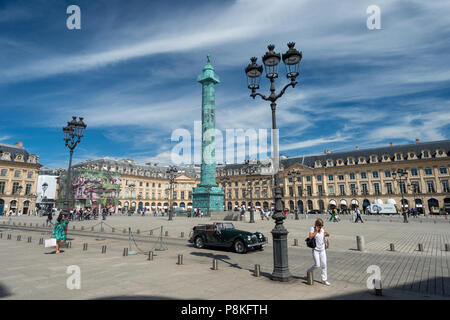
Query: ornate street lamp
<point x="401" y="176"/>
<point x="251" y="169"/>
<point x="73" y="133"/>
<point x="224" y="180"/>
<point x="253" y="71"/>
<point x="294" y="174"/>
<point x="172" y="173"/>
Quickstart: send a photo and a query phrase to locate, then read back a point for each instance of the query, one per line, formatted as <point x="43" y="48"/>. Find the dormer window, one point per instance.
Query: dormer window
<point x="426" y="154"/>
<point x="361" y="160"/>
<point x="373" y="159"/>
<point x="318" y="164"/>
<point x="412" y="155"/>
<point x="398" y="156"/>
<point x="350" y="161"/>
<point x="440" y="152"/>
<point x="340" y="162"/>
<point x="329" y="163"/>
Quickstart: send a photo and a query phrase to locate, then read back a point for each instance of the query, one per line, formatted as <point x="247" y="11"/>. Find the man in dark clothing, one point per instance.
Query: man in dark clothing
<point x="49" y="218"/>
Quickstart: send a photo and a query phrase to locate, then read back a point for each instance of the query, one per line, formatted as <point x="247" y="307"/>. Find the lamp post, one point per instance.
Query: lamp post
<point x="19" y="191"/>
<point x="132" y="188"/>
<point x="44" y="198"/>
<point x="250" y="169"/>
<point x="172" y="173"/>
<point x="294" y="174"/>
<point x="224" y="180"/>
<point x="73" y="133"/>
<point x="254" y="71"/>
<point x="401" y="177"/>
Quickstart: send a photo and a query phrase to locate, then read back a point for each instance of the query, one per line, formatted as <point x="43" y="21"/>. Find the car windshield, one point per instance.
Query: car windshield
<point x="225" y="226"/>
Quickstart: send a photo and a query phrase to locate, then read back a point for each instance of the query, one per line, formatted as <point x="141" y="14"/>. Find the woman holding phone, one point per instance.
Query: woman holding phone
<point x="320" y="257"/>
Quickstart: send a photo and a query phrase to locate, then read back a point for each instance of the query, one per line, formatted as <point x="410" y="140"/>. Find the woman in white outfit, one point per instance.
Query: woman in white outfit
<point x="319" y="254"/>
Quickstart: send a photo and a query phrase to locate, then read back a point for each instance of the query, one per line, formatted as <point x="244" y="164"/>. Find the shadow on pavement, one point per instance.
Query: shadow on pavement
<point x="219" y="257"/>
<point x="4" y="292"/>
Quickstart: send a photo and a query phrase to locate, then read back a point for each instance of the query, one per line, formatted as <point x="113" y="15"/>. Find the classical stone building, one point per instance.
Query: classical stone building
<point x="147" y="186"/>
<point x="348" y="179"/>
<point x="18" y="179"/>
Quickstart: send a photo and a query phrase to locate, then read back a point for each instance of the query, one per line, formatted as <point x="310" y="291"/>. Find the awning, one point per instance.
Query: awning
<point x="343" y="202"/>
<point x="391" y="201"/>
<point x="333" y="202"/>
<point x="354" y="201"/>
<point x="378" y="201"/>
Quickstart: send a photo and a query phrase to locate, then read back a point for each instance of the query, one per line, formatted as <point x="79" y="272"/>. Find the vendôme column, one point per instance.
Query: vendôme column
<point x="208" y="196"/>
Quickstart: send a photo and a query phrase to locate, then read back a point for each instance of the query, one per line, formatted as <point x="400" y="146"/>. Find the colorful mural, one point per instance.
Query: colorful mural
<point x="92" y="188"/>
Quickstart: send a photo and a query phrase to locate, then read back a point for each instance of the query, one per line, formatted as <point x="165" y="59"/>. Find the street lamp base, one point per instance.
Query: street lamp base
<point x="280" y="255"/>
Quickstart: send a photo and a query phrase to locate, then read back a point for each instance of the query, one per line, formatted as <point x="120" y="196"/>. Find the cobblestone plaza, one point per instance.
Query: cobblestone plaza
<point x="34" y="272"/>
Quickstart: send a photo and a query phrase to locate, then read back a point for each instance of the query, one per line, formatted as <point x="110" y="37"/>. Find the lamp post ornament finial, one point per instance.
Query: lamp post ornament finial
<point x="208" y="58"/>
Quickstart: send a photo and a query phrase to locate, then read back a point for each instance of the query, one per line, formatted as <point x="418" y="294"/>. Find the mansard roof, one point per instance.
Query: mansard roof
<point x="13" y="151"/>
<point x="405" y="149"/>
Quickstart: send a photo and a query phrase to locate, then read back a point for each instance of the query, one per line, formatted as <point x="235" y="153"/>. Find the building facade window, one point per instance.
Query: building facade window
<point x="308" y="178"/>
<point x="17" y="174"/>
<point x="414" y="172"/>
<point x="389" y="187"/>
<point x="319" y="178"/>
<point x="364" y="188"/>
<point x="443" y="170"/>
<point x="330" y="177"/>
<point x="2" y="187"/>
<point x="402" y="187"/>
<point x="341" y="177"/>
<point x="30" y="175"/>
<point x="28" y="189"/>
<point x="428" y="171"/>
<point x="309" y="190"/>
<point x="416" y="186"/>
<point x="331" y="189"/>
<point x="375" y="174"/>
<point x="376" y="187"/>
<point x="387" y="174"/>
<point x="445" y="187"/>
<point x="352" y="176"/>
<point x="363" y="175"/>
<point x="15" y="188"/>
<point x="3" y="172"/>
<point x="430" y="186"/>
<point x="342" y="189"/>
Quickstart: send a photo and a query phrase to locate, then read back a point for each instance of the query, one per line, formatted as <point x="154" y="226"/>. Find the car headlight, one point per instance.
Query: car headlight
<point x="260" y="236"/>
<point x="249" y="238"/>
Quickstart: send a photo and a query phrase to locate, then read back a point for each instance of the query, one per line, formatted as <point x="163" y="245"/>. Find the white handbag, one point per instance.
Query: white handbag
<point x="50" y="243"/>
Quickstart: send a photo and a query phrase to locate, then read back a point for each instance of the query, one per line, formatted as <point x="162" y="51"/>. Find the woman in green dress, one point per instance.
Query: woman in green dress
<point x="59" y="231"/>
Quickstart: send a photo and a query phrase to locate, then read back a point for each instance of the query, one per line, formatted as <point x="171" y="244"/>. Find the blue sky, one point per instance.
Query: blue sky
<point x="131" y="73"/>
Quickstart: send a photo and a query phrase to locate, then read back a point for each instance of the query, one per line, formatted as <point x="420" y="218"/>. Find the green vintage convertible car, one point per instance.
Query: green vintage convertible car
<point x="224" y="234"/>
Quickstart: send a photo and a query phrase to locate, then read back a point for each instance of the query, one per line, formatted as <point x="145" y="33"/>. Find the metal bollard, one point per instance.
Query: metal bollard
<point x="257" y="270"/>
<point x="41" y="241"/>
<point x="103" y="249"/>
<point x="125" y="252"/>
<point x="112" y="230"/>
<point x="360" y="243"/>
<point x="377" y="283"/>
<point x="150" y="255"/>
<point x="73" y="228"/>
<point x="29" y="239"/>
<point x="82" y="228"/>
<point x="9" y="236"/>
<point x="447" y="247"/>
<point x="92" y="229"/>
<point x="102" y="230"/>
<point x="295" y="242"/>
<point x="1" y="235"/>
<point x="138" y="231"/>
<point x="85" y="246"/>
<point x="182" y="235"/>
<point x="420" y="247"/>
<point x="151" y="232"/>
<point x="69" y="244"/>
<point x="180" y="259"/>
<point x="215" y="265"/>
<point x="167" y="233"/>
<point x="124" y="231"/>
<point x="24" y="224"/>
<point x="14" y="224"/>
<point x="18" y="238"/>
<point x="19" y="224"/>
<point x="392" y="247"/>
<point x="43" y="225"/>
<point x="310" y="278"/>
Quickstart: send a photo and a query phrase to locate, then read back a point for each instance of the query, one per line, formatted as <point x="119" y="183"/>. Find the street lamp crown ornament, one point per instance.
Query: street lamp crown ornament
<point x="291" y="60"/>
<point x="271" y="60"/>
<point x="253" y="72"/>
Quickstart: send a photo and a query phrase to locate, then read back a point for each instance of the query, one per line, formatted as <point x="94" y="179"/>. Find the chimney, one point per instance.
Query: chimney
<point x="417" y="140"/>
<point x="19" y="144"/>
<point x="391" y="144"/>
<point x="357" y="148"/>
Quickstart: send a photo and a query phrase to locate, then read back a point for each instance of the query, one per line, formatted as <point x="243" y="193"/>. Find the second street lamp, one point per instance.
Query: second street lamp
<point x="73" y="133"/>
<point x="172" y="173"/>
<point x="224" y="180"/>
<point x="401" y="177"/>
<point x="254" y="71"/>
<point x="250" y="169"/>
<point x="294" y="176"/>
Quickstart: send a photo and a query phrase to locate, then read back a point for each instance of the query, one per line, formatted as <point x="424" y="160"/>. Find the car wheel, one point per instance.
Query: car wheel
<point x="198" y="242"/>
<point x="239" y="246"/>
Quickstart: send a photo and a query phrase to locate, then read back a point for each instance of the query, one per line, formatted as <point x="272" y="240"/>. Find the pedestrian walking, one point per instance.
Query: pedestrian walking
<point x="333" y="215"/>
<point x="358" y="215"/>
<point x="59" y="231"/>
<point x="49" y="219"/>
<point x="319" y="252"/>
